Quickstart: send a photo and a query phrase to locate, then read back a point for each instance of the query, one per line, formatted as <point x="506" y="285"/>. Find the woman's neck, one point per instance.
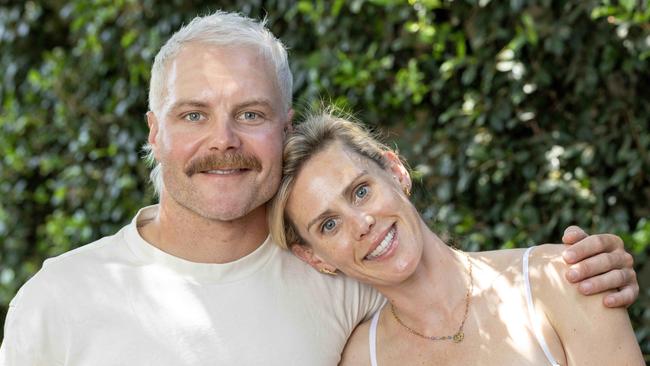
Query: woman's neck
<point x="433" y="299"/>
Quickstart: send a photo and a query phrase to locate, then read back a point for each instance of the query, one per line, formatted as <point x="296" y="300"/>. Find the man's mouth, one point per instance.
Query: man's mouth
<point x="224" y="171"/>
<point x="385" y="244"/>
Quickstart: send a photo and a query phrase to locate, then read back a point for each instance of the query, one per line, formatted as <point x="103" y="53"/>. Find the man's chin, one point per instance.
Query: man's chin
<point x="219" y="205"/>
<point x="226" y="213"/>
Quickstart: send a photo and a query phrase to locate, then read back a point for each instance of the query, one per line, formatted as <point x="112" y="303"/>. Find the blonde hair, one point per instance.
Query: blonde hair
<point x="318" y="131"/>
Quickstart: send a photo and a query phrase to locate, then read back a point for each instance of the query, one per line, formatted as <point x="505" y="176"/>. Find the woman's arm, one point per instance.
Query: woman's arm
<point x="590" y="333"/>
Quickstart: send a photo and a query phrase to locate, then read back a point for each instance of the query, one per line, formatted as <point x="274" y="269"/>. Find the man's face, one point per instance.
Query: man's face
<point x="219" y="133"/>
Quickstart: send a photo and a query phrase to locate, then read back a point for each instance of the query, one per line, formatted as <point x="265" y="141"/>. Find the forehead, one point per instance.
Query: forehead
<point x="334" y="162"/>
<point x="323" y="178"/>
<point x="206" y="71"/>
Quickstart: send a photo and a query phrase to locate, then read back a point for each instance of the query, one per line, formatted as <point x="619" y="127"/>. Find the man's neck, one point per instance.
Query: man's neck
<point x="183" y="233"/>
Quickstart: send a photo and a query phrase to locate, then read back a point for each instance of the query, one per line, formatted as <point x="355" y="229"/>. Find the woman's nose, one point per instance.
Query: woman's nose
<point x="364" y="223"/>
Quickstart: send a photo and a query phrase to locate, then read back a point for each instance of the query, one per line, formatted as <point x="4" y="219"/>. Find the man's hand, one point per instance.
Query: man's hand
<point x="600" y="263"/>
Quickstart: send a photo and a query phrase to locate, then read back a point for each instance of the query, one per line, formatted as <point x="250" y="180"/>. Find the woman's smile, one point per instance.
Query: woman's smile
<point x="385" y="246"/>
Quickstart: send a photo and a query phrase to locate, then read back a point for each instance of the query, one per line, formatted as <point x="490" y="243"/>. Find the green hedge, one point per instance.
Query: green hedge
<point x="518" y="118"/>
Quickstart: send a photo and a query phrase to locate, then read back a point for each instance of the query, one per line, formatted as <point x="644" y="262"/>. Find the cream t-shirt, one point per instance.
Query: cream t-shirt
<point x="122" y="301"/>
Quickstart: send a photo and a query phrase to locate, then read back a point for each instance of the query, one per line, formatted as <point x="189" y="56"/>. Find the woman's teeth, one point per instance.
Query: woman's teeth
<point x="383" y="246"/>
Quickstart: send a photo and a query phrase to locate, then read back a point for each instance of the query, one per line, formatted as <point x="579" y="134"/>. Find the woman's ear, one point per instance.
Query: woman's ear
<point x="398" y="170"/>
<point x="307" y="255"/>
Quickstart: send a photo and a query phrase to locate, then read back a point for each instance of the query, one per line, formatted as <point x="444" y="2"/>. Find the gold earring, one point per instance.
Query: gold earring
<point x="407" y="191"/>
<point x="327" y="271"/>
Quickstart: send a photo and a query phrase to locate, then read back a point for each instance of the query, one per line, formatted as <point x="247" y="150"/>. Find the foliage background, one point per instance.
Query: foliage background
<point x="518" y="117"/>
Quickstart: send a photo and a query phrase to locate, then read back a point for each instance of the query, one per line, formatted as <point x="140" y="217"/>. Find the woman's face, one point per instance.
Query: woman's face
<point x="355" y="217"/>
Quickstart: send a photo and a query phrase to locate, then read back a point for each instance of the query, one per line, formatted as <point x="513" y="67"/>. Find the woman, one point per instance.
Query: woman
<point x="343" y="205"/>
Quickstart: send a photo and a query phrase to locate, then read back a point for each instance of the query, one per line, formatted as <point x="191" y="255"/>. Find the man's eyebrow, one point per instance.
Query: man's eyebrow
<point x="255" y="102"/>
<point x="188" y="103"/>
<point x="344" y="192"/>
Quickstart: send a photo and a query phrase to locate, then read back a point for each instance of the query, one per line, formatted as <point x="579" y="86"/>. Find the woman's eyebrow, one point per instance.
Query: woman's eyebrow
<point x="344" y="192"/>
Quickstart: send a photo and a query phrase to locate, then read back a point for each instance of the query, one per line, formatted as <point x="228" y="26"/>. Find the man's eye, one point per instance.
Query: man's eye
<point x="328" y="225"/>
<point x="249" y="116"/>
<point x="193" y="116"/>
<point x="361" y="192"/>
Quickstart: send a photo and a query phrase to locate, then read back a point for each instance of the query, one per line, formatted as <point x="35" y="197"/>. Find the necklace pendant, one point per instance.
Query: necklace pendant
<point x="458" y="337"/>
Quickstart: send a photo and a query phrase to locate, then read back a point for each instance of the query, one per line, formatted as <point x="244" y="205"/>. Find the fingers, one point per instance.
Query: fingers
<point x="592" y="245"/>
<point x="611" y="280"/>
<point x="622" y="279"/>
<point x="573" y="234"/>
<point x="600" y="264"/>
<point x="623" y="298"/>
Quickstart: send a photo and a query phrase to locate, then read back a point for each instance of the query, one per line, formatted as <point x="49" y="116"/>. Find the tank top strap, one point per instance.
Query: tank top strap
<point x="532" y="314"/>
<point x="372" y="337"/>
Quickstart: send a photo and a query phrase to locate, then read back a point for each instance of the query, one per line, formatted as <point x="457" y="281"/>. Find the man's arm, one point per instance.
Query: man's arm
<point x="599" y="263"/>
<point x="35" y="331"/>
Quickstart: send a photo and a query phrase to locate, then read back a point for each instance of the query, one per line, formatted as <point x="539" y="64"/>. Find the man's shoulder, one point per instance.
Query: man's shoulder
<point x="304" y="273"/>
<point x="95" y="252"/>
<point x="339" y="288"/>
<point x="68" y="268"/>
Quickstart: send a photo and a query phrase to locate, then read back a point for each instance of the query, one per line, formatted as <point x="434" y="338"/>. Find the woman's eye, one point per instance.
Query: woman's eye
<point x="328" y="225"/>
<point x="193" y="116"/>
<point x="361" y="192"/>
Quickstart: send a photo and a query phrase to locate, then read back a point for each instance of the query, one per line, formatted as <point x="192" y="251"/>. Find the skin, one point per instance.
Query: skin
<point x="345" y="213"/>
<point x="219" y="102"/>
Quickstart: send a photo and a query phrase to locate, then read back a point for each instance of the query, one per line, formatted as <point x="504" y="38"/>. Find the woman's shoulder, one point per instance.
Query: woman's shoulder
<point x="578" y="320"/>
<point x="512" y="259"/>
<point x="505" y="266"/>
<point x="547" y="269"/>
<point x="549" y="251"/>
<point x="502" y="263"/>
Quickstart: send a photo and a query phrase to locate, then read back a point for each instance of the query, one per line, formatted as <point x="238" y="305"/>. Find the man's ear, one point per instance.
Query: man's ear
<point x="290" y="115"/>
<point x="398" y="170"/>
<point x="152" y="122"/>
<point x="288" y="125"/>
<point x="307" y="255"/>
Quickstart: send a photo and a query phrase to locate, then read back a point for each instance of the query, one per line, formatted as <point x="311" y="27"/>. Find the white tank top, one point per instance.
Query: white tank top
<point x="532" y="317"/>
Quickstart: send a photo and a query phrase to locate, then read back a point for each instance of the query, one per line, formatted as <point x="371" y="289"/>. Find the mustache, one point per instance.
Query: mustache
<point x="222" y="161"/>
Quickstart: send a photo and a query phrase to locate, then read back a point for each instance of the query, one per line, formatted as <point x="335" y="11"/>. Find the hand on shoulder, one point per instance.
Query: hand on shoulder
<point x="589" y="332"/>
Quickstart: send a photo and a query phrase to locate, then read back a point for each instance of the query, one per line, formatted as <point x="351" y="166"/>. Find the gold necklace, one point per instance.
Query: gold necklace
<point x="459" y="335"/>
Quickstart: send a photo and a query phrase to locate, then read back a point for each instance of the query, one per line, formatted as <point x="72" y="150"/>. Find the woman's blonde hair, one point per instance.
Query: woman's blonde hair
<point x="318" y="131"/>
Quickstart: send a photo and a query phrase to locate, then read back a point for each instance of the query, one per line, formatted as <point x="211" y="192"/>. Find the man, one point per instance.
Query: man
<point x="195" y="280"/>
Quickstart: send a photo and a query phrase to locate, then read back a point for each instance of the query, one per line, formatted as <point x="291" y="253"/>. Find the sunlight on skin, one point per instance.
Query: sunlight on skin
<point x="544" y="278"/>
<point x="518" y="338"/>
<point x="504" y="297"/>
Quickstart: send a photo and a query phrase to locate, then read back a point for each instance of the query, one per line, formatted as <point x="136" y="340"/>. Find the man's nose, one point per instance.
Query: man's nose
<point x="223" y="135"/>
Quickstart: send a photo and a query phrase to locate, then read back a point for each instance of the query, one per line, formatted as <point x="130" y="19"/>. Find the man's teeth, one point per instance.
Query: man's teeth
<point x="222" y="171"/>
<point x="383" y="246"/>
